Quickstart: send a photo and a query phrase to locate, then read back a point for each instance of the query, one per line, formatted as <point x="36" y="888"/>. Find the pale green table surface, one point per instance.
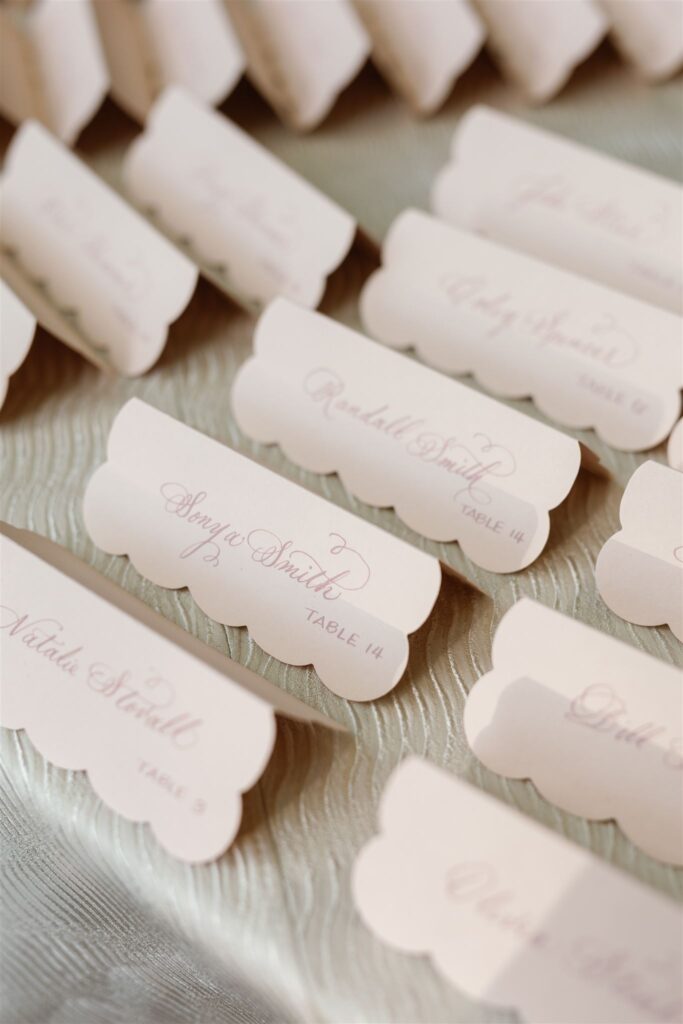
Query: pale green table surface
<point x="99" y="924"/>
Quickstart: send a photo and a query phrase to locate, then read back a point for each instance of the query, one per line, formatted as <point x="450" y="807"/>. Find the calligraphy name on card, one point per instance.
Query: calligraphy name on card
<point x="455" y="464"/>
<point x="150" y="44"/>
<point x="300" y="55"/>
<point x="165" y="736"/>
<point x="51" y="65"/>
<point x="639" y="571"/>
<point x="589" y="356"/>
<point x="511" y="913"/>
<point x="17" y="328"/>
<point x="595" y="724"/>
<point x="313" y="583"/>
<point x="422" y="48"/>
<point x="256" y="228"/>
<point x="565" y="204"/>
<point x="89" y="267"/>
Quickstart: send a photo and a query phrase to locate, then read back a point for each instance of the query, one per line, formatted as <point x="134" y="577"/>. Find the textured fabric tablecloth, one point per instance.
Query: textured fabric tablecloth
<point x="99" y="924"/>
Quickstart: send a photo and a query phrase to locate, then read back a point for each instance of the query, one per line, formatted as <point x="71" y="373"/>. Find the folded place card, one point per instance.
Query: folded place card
<point x="649" y="33"/>
<point x="313" y="583"/>
<point x="511" y="913"/>
<point x="300" y="53"/>
<point x="422" y="48"/>
<point x="89" y="267"/>
<point x="589" y="356"/>
<point x="52" y="68"/>
<point x="595" y="724"/>
<point x="538" y="45"/>
<point x="169" y="733"/>
<point x="565" y="204"/>
<point x="153" y="43"/>
<point x="17" y="327"/>
<point x="674" y="449"/>
<point x="256" y="228"/>
<point x="639" y="571"/>
<point x="454" y="464"/>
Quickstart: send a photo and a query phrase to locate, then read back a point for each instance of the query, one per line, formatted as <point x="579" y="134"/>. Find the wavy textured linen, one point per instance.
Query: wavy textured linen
<point x="99" y="925"/>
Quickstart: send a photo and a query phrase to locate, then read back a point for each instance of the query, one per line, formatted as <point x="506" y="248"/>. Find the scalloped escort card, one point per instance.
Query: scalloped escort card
<point x="649" y="33"/>
<point x="455" y="464"/>
<point x="51" y="65"/>
<point x="538" y="45"/>
<point x="167" y="735"/>
<point x="300" y="55"/>
<point x="422" y="48"/>
<point x="513" y="914"/>
<point x="639" y="571"/>
<point x="89" y="267"/>
<point x="674" y="448"/>
<point x="595" y="724"/>
<point x="17" y="328"/>
<point x="565" y="204"/>
<point x="153" y="43"/>
<point x="313" y="583"/>
<point x="589" y="356"/>
<point x="256" y="228"/>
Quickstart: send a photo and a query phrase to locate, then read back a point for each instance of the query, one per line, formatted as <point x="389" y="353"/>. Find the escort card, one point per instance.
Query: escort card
<point x="639" y="571"/>
<point x="595" y="724"/>
<point x="551" y="198"/>
<point x="539" y="45"/>
<point x="649" y="33"/>
<point x="17" y="328"/>
<point x="300" y="55"/>
<point x="422" y="48"/>
<point x="313" y="583"/>
<point x="153" y="43"/>
<point x="256" y="228"/>
<point x="513" y="914"/>
<point x="51" y="65"/>
<point x="674" y="449"/>
<point x="90" y="268"/>
<point x="167" y="735"/>
<point x="454" y="464"/>
<point x="589" y="356"/>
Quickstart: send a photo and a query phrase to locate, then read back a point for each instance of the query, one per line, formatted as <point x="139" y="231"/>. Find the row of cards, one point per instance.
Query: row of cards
<point x="60" y="59"/>
<point x="172" y="734"/>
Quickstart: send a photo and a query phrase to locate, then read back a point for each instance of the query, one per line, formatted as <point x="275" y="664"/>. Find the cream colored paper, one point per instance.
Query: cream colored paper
<point x="639" y="571"/>
<point x="595" y="724"/>
<point x="674" y="448"/>
<point x="313" y="583"/>
<point x="255" y="228"/>
<point x="165" y="737"/>
<point x="649" y="33"/>
<point x="89" y="267"/>
<point x="52" y="68"/>
<point x="455" y="464"/>
<point x="422" y="46"/>
<point x="565" y="204"/>
<point x="513" y="914"/>
<point x="17" y="328"/>
<point x="538" y="45"/>
<point x="300" y="53"/>
<point x="151" y="44"/>
<point x="589" y="356"/>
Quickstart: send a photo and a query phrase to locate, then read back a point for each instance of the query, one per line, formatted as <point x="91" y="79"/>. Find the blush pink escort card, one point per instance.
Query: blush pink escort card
<point x="589" y="356"/>
<point x="256" y="228"/>
<point x="153" y="43"/>
<point x="422" y="48"/>
<point x="300" y="55"/>
<point x="513" y="914"/>
<point x="455" y="464"/>
<point x="595" y="724"/>
<point x="167" y="735"/>
<point x="313" y="583"/>
<point x="639" y="571"/>
<point x="565" y="204"/>
<point x="89" y="267"/>
<point x="17" y="328"/>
